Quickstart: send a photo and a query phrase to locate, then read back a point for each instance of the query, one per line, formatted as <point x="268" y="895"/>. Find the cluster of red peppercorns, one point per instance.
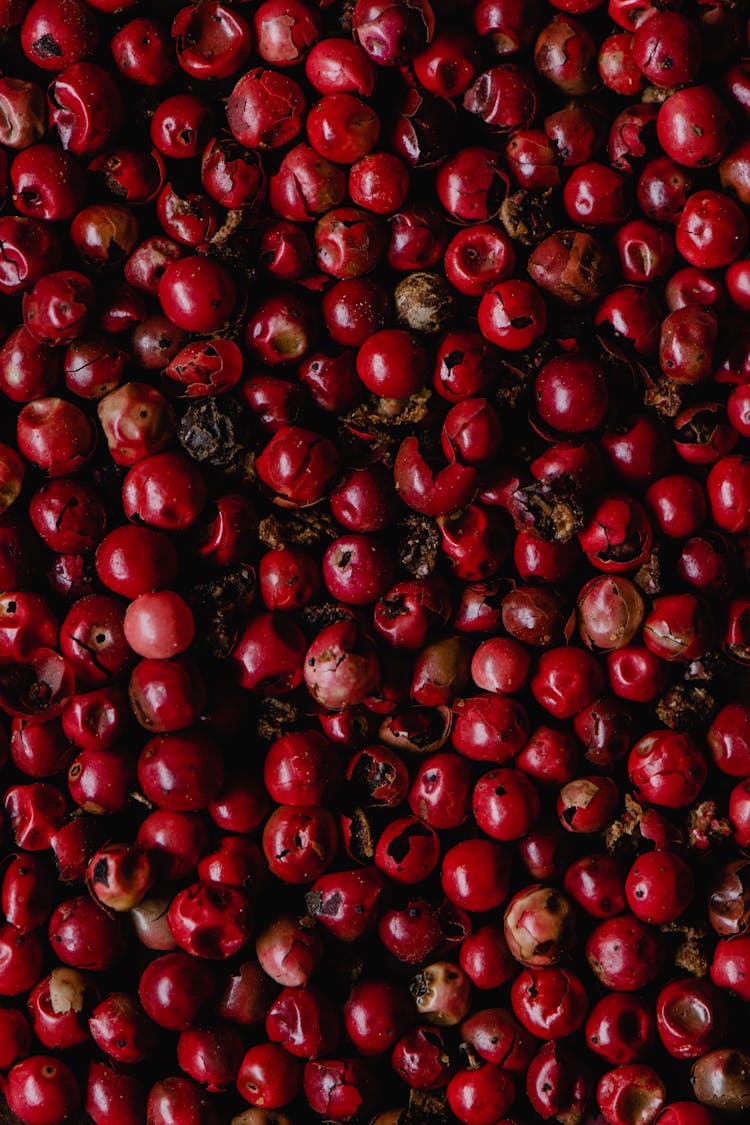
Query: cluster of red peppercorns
<point x="374" y="554"/>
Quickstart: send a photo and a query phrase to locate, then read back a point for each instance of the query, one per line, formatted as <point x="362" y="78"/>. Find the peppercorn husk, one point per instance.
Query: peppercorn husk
<point x="362" y="838"/>
<point x="528" y="216"/>
<point x="382" y="418"/>
<point x="691" y="952"/>
<point x="424" y="302"/>
<point x="213" y="431"/>
<point x="309" y="528"/>
<point x="275" y="717"/>
<point x="663" y="396"/>
<point x="418" y="544"/>
<point x="219" y="606"/>
<point x="427" y="1107"/>
<point x="554" y="511"/>
<point x="706" y="827"/>
<point x="648" y="576"/>
<point x="684" y="707"/>
<point x="321" y="615"/>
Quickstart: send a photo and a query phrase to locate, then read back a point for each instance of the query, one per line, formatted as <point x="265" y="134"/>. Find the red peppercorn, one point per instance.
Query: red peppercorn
<point x="667" y="768"/>
<point x="624" y="953"/>
<point x="619" y="1088"/>
<point x="620" y="1028"/>
<point x="550" y="1003"/>
<point x="690" y="1018"/>
<point x="42" y="1090"/>
<point x="659" y="887"/>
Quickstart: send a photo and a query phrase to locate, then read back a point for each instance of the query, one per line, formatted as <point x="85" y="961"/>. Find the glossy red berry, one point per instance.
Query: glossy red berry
<point x="42" y="1090"/>
<point x="659" y="887"/>
<point x="620" y="1028"/>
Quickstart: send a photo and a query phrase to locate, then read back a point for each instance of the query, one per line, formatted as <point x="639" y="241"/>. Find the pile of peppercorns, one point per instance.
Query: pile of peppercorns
<point x="374" y="552"/>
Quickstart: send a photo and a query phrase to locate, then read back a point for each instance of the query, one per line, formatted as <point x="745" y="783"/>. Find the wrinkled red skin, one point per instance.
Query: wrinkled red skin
<point x="27" y="892"/>
<point x="190" y="218"/>
<point x="339" y="66"/>
<point x="618" y="69"/>
<point x="628" y="136"/>
<point x="84" y="936"/>
<point x="421" y="1060"/>
<point x="474" y="542"/>
<point x="339" y="1088"/>
<point x="166" y="695"/>
<point x="690" y="1018"/>
<point x="618" y="538"/>
<point x="503" y="97"/>
<point x="348" y="903"/>
<point x="145" y="267"/>
<point x="550" y="1003"/>
<point x="265" y="109"/>
<point x="304" y="1021"/>
<point x="28" y="369"/>
<point x="508" y="25"/>
<point x="429" y="492"/>
<point x="668" y="50"/>
<point x="269" y="654"/>
<point x="468" y="183"/>
<point x="285" y="251"/>
<point x="179" y="1099"/>
<point x="555" y="1085"/>
<point x="576" y="132"/>
<point x="620" y="1027"/>
<point x="226" y="536"/>
<point x="619" y="1088"/>
<point x="210" y="920"/>
<point x="624" y="953"/>
<point x="417" y="238"/>
<point x="423" y="131"/>
<point x="678" y="628"/>
<point x="667" y="768"/>
<point x="299" y="843"/>
<point x="137" y="177"/>
<point x="564" y="53"/>
<point x="392" y="33"/>
<point x="211" y="40"/>
<point x="109" y="1093"/>
<point x="86" y="107"/>
<point x="143" y="53"/>
<point x="533" y="159"/>
<point x="298" y="465"/>
<point x="488" y="728"/>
